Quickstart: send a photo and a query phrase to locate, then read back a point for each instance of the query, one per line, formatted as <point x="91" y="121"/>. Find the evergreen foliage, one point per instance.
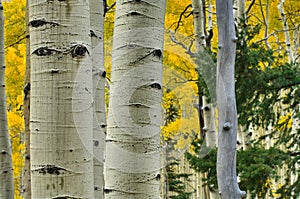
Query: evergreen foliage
<point x="177" y="181"/>
<point x="268" y="91"/>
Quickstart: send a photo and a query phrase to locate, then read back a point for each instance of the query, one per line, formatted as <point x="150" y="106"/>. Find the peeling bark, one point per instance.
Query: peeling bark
<point x="6" y="170"/>
<point x="227" y="113"/>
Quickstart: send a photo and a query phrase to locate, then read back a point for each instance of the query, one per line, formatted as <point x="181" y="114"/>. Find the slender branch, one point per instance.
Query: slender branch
<point x="16" y="42"/>
<point x="181" y="15"/>
<point x="295" y="153"/>
<point x="275" y="32"/>
<point x="250" y="6"/>
<point x="106" y="7"/>
<point x="265" y="19"/>
<point x="187" y="48"/>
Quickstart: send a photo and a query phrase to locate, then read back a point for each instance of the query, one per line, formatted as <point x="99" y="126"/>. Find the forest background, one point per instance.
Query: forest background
<point x="268" y="94"/>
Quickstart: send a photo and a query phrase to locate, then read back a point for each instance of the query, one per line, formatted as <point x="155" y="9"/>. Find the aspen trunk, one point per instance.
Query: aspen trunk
<point x="26" y="178"/>
<point x="99" y="115"/>
<point x="206" y="108"/>
<point x="6" y="171"/>
<point x="227" y="114"/>
<point x="132" y="164"/>
<point x="208" y="127"/>
<point x="61" y="100"/>
<point x="286" y="31"/>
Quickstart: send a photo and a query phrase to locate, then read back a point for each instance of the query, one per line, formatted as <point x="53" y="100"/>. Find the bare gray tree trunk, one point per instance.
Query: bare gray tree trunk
<point x="132" y="164"/>
<point x="6" y="171"/>
<point x="227" y="113"/>
<point x="26" y="178"/>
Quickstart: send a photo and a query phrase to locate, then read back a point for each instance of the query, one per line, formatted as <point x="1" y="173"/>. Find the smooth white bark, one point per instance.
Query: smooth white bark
<point x="227" y="114"/>
<point x="99" y="115"/>
<point x="61" y="100"/>
<point x="207" y="108"/>
<point x="132" y="164"/>
<point x="198" y="24"/>
<point x="286" y="31"/>
<point x="6" y="171"/>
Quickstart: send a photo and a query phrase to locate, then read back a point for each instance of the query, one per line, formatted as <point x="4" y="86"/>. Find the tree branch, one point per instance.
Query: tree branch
<point x="106" y="7"/>
<point x="250" y="6"/>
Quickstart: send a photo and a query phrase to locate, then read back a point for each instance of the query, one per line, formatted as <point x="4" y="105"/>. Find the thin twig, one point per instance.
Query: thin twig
<point x="106" y="7"/>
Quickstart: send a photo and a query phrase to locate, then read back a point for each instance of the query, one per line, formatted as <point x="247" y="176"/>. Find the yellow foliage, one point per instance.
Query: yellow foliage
<point x="15" y="50"/>
<point x="285" y="122"/>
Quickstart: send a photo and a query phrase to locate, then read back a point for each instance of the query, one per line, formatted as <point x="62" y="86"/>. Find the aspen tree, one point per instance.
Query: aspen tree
<point x="206" y="109"/>
<point x="61" y="100"/>
<point x="226" y="102"/>
<point x="26" y="177"/>
<point x="6" y="171"/>
<point x="99" y="115"/>
<point x="132" y="164"/>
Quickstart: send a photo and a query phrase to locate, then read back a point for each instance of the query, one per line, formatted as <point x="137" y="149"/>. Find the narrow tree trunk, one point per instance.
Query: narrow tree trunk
<point x="205" y="110"/>
<point x="26" y="179"/>
<point x="286" y="31"/>
<point x="6" y="171"/>
<point x="99" y="115"/>
<point x="227" y="114"/>
<point x="61" y="100"/>
<point x="132" y="164"/>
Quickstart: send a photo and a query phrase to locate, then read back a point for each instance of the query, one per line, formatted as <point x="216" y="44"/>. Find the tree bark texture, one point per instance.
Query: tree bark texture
<point x="205" y="110"/>
<point x="6" y="171"/>
<point x="226" y="102"/>
<point x="99" y="74"/>
<point x="132" y="164"/>
<point x="286" y="31"/>
<point x="61" y="100"/>
<point x="26" y="178"/>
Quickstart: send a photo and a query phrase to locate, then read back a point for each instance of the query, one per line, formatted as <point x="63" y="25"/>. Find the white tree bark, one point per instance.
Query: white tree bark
<point x="207" y="108"/>
<point x="132" y="164"/>
<point x="198" y="24"/>
<point x="286" y="31"/>
<point x="61" y="100"/>
<point x="99" y="115"/>
<point x="227" y="114"/>
<point x="6" y="171"/>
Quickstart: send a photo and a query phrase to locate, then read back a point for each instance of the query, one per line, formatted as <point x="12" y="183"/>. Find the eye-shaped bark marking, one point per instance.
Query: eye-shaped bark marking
<point x="156" y="85"/>
<point x="134" y="13"/>
<point x="157" y="53"/>
<point x="41" y="22"/>
<point x="50" y="169"/>
<point x="92" y="34"/>
<point x="79" y="51"/>
<point x="103" y="74"/>
<point x="227" y="126"/>
<point x="44" y="51"/>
